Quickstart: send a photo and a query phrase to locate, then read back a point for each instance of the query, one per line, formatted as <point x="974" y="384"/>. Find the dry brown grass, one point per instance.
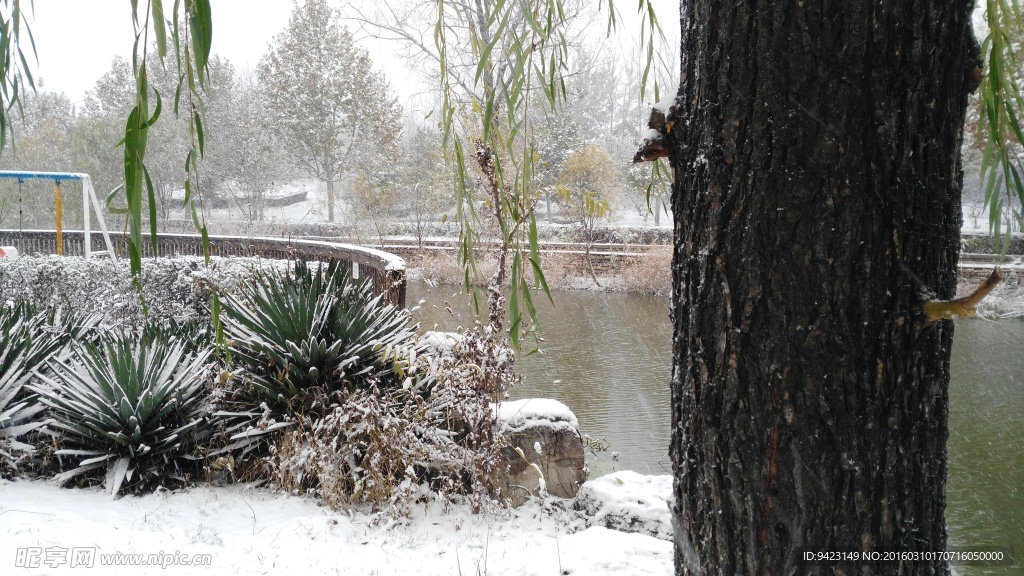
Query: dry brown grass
<point x="442" y="267"/>
<point x="650" y="274"/>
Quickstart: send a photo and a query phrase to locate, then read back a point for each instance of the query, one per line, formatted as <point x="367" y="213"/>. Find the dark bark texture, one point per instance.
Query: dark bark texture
<point x="816" y="148"/>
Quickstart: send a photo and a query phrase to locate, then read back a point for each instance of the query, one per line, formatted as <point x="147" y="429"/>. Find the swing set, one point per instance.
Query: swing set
<point x="88" y="197"/>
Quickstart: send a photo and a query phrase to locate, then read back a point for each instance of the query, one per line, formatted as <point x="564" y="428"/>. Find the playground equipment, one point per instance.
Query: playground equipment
<point x="88" y="199"/>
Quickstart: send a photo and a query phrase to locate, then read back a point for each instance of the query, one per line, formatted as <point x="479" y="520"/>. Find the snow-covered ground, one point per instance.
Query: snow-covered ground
<point x="311" y="210"/>
<point x="233" y="530"/>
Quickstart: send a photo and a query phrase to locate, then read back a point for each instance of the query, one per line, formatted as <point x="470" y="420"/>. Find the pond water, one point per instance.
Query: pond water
<point x="608" y="357"/>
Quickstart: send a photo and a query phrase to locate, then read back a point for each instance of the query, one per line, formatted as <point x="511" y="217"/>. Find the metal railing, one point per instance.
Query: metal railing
<point x="385" y="271"/>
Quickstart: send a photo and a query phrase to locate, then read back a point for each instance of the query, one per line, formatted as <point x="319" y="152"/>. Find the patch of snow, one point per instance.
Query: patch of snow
<point x="629" y="502"/>
<point x="663" y="106"/>
<point x="438" y="341"/>
<point x="522" y="414"/>
<point x="250" y="531"/>
<point x="650" y="135"/>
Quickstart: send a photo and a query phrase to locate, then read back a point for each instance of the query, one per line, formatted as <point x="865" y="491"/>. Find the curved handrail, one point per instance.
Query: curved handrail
<point x="386" y="271"/>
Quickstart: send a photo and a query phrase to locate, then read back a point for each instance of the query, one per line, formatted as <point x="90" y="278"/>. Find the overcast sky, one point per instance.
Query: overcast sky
<point x="77" y="39"/>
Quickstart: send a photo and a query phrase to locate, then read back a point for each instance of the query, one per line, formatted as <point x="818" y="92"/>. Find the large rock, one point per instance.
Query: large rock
<point x="629" y="502"/>
<point x="543" y="450"/>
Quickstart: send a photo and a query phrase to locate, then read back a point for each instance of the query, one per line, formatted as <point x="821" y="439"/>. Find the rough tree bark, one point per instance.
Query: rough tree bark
<point x="816" y="149"/>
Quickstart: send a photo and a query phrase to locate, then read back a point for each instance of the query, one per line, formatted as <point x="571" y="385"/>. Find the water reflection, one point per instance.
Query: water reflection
<point x="985" y="492"/>
<point x="608" y="357"/>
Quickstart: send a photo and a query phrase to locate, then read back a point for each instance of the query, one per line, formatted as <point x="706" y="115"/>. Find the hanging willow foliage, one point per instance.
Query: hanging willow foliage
<point x="1001" y="108"/>
<point x="520" y="49"/>
<point x="189" y="28"/>
<point x="15" y="73"/>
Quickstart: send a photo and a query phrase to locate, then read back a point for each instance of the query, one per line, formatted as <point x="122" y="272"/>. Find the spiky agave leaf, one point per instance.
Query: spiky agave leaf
<point x="368" y="326"/>
<point x="134" y="406"/>
<point x="194" y="335"/>
<point x="276" y="328"/>
<point x="30" y="337"/>
<point x="15" y="336"/>
<point x="18" y="412"/>
<point x="25" y="342"/>
<point x="302" y="334"/>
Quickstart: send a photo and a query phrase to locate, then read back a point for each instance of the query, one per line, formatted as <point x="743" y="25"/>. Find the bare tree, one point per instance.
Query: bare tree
<point x="425" y="181"/>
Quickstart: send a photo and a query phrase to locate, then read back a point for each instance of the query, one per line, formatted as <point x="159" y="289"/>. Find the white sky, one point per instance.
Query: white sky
<point x="76" y="40"/>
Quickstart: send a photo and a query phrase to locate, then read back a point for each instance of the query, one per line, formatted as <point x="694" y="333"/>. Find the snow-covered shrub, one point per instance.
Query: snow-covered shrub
<point x="385" y="445"/>
<point x="299" y="337"/>
<point x="177" y="289"/>
<point x="134" y="406"/>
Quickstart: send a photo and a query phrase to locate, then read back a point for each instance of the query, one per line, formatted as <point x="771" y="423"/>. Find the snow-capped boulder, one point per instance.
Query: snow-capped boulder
<point x="543" y="451"/>
<point x="629" y="502"/>
<point x="440" y="342"/>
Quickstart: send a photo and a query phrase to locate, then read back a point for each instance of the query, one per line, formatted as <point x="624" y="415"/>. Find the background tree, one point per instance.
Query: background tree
<point x="374" y="195"/>
<point x="252" y="163"/>
<point x="606" y="98"/>
<point x="589" y="187"/>
<point x="42" y="135"/>
<point x="170" y="140"/>
<point x="113" y="97"/>
<point x="817" y="202"/>
<point x="101" y="127"/>
<point x="424" y="179"/>
<point x="327" y="106"/>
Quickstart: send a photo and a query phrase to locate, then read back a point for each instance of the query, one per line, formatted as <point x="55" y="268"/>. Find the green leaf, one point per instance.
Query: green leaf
<point x="152" y="211"/>
<point x="159" y="27"/>
<point x="197" y="118"/>
<point x="201" y="24"/>
<point x="514" y="315"/>
<point x="488" y="117"/>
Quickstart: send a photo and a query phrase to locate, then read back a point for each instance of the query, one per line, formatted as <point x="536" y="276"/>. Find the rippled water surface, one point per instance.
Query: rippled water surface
<point x="608" y="357"/>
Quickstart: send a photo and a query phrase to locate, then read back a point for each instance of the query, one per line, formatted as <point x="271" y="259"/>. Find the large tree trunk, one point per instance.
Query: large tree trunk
<point x="816" y="148"/>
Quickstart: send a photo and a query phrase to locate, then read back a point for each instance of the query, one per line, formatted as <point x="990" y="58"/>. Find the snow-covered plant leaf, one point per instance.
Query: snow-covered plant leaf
<point x="26" y="339"/>
<point x="116" y="475"/>
<point x="129" y="403"/>
<point x="312" y="331"/>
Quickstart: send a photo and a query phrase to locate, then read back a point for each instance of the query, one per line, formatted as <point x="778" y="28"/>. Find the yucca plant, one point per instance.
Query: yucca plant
<point x="19" y="412"/>
<point x="133" y="406"/>
<point x="196" y="336"/>
<point x="27" y="339"/>
<point x="299" y="336"/>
